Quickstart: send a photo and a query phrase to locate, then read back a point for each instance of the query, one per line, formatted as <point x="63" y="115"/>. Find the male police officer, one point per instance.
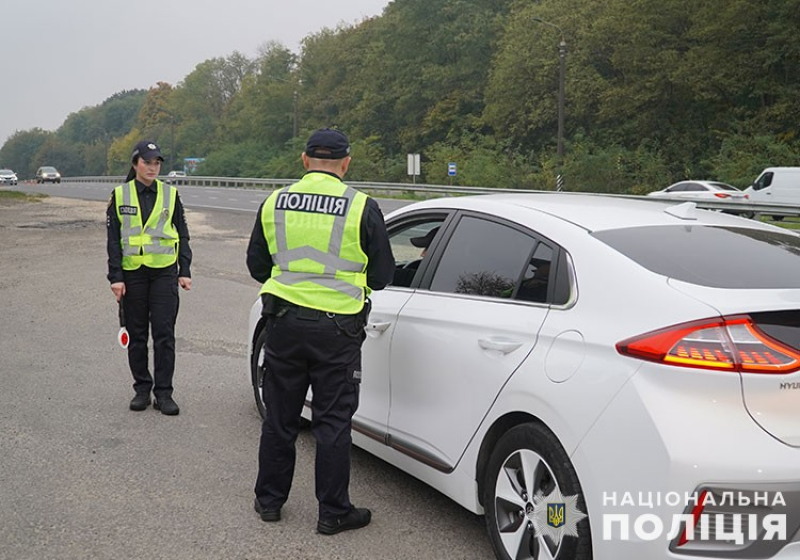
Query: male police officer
<point x="320" y="247"/>
<point x="148" y="258"/>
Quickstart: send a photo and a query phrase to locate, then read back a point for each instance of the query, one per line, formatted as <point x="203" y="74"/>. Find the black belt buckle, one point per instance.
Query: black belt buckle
<point x="308" y="314"/>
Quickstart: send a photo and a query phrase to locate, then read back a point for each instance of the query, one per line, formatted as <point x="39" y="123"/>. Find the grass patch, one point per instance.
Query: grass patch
<point x="16" y="196"/>
<point x="787" y="223"/>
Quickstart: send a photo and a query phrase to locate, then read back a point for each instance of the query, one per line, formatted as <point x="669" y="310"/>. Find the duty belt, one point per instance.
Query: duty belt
<point x="306" y="313"/>
<point x="273" y="305"/>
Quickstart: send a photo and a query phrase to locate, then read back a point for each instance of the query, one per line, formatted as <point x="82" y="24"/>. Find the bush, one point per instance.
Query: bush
<point x="589" y="167"/>
<point x="742" y="157"/>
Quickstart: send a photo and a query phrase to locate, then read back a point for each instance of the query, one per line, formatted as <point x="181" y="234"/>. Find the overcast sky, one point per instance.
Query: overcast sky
<point x="59" y="56"/>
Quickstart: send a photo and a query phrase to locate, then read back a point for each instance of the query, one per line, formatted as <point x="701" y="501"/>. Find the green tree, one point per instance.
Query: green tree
<point x="198" y="105"/>
<point x="20" y="150"/>
<point x="64" y="156"/>
<point x="265" y="108"/>
<point x="119" y="153"/>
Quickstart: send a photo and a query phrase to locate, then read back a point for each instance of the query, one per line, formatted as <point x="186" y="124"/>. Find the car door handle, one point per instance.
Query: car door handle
<point x="504" y="345"/>
<point x="376" y="329"/>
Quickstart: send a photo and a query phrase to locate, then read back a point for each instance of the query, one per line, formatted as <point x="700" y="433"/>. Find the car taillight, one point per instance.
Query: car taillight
<point x="722" y="195"/>
<point x="696" y="511"/>
<point x="727" y="344"/>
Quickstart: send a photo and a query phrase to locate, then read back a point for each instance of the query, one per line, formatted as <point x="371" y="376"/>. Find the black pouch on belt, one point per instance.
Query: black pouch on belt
<point x="308" y="314"/>
<point x="273" y="306"/>
<point x="363" y="315"/>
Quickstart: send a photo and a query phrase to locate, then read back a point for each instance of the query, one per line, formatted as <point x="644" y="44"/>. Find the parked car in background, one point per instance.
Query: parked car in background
<point x="563" y="360"/>
<point x="172" y="175"/>
<point x="48" y="174"/>
<point x="701" y="190"/>
<point x="7" y="177"/>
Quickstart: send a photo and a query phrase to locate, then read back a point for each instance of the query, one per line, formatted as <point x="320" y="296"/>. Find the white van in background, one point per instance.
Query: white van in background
<point x="776" y="185"/>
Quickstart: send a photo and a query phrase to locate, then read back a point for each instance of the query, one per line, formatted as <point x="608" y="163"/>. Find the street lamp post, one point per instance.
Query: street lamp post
<point x="295" y="96"/>
<point x="294" y="112"/>
<point x="562" y="68"/>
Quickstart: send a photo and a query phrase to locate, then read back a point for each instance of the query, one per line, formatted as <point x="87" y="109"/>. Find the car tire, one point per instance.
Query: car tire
<point x="777" y="218"/>
<point x="257" y="371"/>
<point x="533" y="449"/>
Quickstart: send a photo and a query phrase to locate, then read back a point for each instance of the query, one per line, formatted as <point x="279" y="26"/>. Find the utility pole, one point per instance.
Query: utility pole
<point x="562" y="70"/>
<point x="294" y="111"/>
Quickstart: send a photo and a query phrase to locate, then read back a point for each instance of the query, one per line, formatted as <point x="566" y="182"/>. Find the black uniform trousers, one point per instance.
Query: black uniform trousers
<point x="151" y="302"/>
<point x="307" y="347"/>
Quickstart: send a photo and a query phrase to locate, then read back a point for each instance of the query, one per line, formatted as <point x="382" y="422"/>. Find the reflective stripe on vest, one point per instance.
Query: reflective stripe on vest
<point x="154" y="244"/>
<point x="326" y="272"/>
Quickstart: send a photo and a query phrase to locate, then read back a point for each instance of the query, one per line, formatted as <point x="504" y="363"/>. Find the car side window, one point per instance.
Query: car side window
<point x="483" y="258"/>
<point x="536" y="279"/>
<point x="410" y="244"/>
<point x="694" y="187"/>
<point x="763" y="182"/>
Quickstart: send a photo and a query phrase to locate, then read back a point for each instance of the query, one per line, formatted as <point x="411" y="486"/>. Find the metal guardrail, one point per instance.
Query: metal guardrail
<point x="251" y="182"/>
<point x="409" y="189"/>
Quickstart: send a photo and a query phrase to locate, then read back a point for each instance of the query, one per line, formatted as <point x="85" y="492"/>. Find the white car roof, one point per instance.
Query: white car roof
<point x="705" y="182"/>
<point x="593" y="212"/>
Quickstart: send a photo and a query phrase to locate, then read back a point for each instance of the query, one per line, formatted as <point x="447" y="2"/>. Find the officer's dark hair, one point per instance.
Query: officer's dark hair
<point x="132" y="171"/>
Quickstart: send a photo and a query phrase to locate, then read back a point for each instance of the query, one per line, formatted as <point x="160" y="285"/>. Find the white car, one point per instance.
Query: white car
<point x="600" y="377"/>
<point x="7" y="177"/>
<point x="172" y="175"/>
<point x="702" y="190"/>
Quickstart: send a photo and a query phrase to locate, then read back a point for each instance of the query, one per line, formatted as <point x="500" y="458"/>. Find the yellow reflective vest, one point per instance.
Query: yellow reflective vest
<point x="313" y="231"/>
<point x="155" y="243"/>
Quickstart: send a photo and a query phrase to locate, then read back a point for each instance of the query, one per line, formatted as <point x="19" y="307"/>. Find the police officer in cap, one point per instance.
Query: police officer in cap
<point x="320" y="247"/>
<point x="148" y="258"/>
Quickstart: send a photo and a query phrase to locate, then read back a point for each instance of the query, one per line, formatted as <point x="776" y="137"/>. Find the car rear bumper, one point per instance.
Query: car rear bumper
<point x="669" y="432"/>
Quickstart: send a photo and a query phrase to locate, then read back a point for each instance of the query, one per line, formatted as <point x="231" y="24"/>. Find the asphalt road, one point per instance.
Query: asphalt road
<point x="198" y="198"/>
<point x="82" y="477"/>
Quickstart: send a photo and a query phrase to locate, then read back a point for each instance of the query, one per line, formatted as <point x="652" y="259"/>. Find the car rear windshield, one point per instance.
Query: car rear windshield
<point x="718" y="257"/>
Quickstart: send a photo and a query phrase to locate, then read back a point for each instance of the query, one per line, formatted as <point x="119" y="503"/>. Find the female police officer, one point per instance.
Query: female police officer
<point x="148" y="258"/>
